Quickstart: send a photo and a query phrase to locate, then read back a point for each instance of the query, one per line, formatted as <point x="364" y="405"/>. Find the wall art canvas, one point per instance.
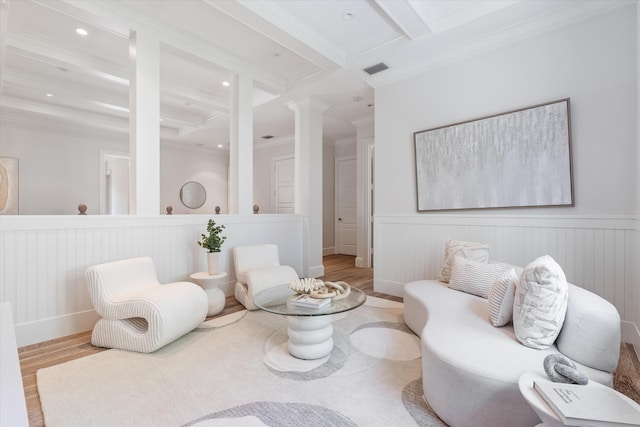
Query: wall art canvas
<point x="9" y="186"/>
<point x="517" y="159"/>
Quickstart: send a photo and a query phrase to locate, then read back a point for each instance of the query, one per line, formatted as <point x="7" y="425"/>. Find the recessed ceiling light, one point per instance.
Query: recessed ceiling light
<point x="81" y="31"/>
<point x="347" y="16"/>
<point x="225" y="83"/>
<point x="50" y="95"/>
<point x="219" y="145"/>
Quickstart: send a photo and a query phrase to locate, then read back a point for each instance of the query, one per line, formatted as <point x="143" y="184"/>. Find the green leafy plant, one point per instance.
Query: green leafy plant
<point x="215" y="239"/>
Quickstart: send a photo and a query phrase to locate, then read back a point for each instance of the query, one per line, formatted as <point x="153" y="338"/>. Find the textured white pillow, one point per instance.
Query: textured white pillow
<point x="474" y="277"/>
<point x="540" y="304"/>
<point x="501" y="296"/>
<point x="469" y="250"/>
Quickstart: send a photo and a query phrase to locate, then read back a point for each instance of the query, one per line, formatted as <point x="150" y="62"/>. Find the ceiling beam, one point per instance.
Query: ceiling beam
<point x="405" y="16"/>
<point x="270" y="20"/>
<point x="116" y="17"/>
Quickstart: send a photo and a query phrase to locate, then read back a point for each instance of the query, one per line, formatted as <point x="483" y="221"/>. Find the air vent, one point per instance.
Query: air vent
<point x="267" y="137"/>
<point x="376" y="68"/>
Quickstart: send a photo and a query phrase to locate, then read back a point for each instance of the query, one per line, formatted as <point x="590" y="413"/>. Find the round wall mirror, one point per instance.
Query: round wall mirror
<point x="193" y="195"/>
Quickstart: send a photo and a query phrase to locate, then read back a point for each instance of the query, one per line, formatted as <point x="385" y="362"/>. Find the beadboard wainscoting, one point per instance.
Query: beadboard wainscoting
<point x="43" y="259"/>
<point x="600" y="254"/>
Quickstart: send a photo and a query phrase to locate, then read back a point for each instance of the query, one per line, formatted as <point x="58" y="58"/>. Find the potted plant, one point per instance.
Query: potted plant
<point x="212" y="243"/>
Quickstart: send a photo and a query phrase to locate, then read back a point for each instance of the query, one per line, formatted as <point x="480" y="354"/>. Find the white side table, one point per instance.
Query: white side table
<point x="216" y="296"/>
<point x="537" y="403"/>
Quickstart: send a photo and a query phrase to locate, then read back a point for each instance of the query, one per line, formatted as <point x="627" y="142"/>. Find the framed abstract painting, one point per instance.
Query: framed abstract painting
<point x="9" y="186"/>
<point x="521" y="158"/>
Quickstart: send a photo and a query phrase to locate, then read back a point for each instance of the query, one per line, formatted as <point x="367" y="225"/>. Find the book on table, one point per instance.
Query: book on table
<point x="589" y="406"/>
<point x="306" y="301"/>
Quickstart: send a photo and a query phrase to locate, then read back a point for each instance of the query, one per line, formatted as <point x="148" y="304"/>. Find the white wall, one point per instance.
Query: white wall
<point x="594" y="63"/>
<point x="179" y="165"/>
<point x="59" y="169"/>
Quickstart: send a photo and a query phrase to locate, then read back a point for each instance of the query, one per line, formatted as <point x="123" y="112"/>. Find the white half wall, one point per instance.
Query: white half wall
<point x="44" y="258"/>
<point x="593" y="62"/>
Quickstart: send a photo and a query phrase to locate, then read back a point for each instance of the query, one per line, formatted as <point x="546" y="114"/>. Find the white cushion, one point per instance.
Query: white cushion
<point x="468" y="250"/>
<point x="474" y="277"/>
<point x="540" y="304"/>
<point x="501" y="296"/>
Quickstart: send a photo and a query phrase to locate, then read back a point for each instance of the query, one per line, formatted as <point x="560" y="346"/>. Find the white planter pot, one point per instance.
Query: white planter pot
<point x="212" y="262"/>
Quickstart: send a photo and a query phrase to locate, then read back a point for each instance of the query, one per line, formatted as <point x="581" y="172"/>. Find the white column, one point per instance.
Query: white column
<point x="144" y="124"/>
<point x="241" y="146"/>
<point x="308" y="180"/>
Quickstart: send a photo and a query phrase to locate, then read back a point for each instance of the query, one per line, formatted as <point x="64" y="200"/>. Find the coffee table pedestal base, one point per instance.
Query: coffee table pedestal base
<point x="310" y="337"/>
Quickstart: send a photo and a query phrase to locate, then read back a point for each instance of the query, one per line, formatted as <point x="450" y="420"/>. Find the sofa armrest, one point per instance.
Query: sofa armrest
<point x="591" y="331"/>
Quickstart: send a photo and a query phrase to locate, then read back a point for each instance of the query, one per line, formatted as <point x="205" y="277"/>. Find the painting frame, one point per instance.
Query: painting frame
<point x="9" y="186"/>
<point x="517" y="159"/>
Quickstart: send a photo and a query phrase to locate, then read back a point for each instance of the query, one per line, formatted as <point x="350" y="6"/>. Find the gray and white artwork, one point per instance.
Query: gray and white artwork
<point x="517" y="159"/>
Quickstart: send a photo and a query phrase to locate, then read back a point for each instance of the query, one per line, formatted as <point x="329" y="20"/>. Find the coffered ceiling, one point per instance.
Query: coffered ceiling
<point x="54" y="77"/>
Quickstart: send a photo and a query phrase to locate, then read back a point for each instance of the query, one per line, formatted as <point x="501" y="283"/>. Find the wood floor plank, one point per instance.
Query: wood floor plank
<point x="337" y="267"/>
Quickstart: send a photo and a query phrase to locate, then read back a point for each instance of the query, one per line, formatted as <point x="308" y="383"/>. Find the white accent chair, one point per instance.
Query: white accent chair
<point x="138" y="313"/>
<point x="258" y="268"/>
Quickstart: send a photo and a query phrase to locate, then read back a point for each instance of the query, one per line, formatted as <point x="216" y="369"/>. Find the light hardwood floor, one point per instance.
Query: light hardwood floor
<point x="337" y="267"/>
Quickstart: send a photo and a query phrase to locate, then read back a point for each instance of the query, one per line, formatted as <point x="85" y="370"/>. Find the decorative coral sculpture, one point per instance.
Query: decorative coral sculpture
<point x="306" y="285"/>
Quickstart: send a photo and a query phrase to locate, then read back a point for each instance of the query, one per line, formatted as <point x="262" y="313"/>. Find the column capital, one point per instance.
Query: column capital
<point x="307" y="104"/>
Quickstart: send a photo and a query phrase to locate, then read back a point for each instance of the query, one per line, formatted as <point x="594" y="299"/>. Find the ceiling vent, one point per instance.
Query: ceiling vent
<point x="267" y="137"/>
<point x="376" y="68"/>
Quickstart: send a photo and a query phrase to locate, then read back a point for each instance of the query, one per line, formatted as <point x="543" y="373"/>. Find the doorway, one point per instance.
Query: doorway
<point x="114" y="183"/>
<point x="346" y="206"/>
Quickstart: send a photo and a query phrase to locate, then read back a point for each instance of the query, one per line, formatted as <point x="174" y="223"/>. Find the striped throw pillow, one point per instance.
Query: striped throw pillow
<point x="501" y="296"/>
<point x="469" y="250"/>
<point x="475" y="277"/>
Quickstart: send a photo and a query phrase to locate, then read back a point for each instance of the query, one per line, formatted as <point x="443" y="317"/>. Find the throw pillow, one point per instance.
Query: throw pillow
<point x="474" y="277"/>
<point x="540" y="303"/>
<point x="469" y="250"/>
<point x="501" y="296"/>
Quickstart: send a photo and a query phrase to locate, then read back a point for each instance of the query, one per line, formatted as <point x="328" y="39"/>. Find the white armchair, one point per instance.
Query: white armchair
<point x="258" y="268"/>
<point x="138" y="313"/>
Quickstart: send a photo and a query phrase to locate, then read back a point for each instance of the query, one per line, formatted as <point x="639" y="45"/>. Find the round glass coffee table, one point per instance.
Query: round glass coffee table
<point x="310" y="330"/>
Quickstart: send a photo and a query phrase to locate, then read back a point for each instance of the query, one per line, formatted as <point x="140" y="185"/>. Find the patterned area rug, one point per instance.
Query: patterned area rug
<point x="236" y="371"/>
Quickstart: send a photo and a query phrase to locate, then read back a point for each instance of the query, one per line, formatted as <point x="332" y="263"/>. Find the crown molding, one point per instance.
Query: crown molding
<point x="364" y="120"/>
<point x="570" y="13"/>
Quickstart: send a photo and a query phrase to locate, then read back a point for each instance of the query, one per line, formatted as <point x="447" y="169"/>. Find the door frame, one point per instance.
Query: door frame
<point x="104" y="154"/>
<point x="336" y="223"/>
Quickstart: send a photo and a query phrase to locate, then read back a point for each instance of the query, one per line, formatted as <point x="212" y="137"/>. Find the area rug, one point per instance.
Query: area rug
<point x="236" y="371"/>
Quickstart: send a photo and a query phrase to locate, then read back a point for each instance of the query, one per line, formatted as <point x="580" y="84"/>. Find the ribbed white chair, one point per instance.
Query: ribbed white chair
<point x="258" y="268"/>
<point x="138" y="313"/>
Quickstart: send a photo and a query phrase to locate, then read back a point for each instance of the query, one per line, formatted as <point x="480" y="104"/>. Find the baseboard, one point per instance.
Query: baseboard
<point x="388" y="287"/>
<point x="55" y="327"/>
<point x="328" y="251"/>
<point x="631" y="334"/>
<point x="360" y="262"/>
<point x="316" y="271"/>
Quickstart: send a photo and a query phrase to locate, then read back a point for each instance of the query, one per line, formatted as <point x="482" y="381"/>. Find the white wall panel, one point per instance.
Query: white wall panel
<point x="43" y="259"/>
<point x="595" y="253"/>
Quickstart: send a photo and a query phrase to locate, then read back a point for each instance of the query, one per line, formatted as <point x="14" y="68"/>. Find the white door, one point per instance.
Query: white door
<point x="346" y="205"/>
<point x="283" y="180"/>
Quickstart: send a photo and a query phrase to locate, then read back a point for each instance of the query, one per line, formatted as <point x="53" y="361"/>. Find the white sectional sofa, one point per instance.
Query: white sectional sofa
<point x="470" y="368"/>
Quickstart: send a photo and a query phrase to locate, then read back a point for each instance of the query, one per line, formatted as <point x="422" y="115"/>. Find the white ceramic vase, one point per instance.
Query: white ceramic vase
<point x="212" y="262"/>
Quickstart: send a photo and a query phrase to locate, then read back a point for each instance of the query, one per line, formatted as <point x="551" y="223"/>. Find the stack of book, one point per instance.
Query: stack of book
<point x="590" y="405"/>
<point x="306" y="301"/>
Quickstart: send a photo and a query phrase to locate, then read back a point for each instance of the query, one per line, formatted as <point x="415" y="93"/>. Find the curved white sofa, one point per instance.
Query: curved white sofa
<point x="470" y="368"/>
